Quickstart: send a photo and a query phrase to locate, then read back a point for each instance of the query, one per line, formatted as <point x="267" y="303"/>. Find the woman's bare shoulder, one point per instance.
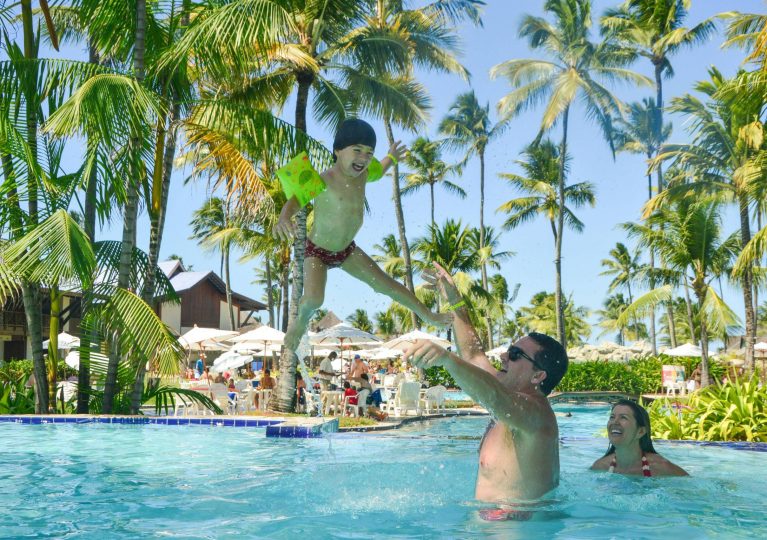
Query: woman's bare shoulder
<point x="602" y="464"/>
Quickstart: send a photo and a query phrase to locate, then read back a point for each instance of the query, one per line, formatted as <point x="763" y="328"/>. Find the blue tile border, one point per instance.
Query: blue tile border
<point x="274" y="428"/>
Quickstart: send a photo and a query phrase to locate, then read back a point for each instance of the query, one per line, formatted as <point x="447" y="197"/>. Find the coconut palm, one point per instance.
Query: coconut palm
<point x="360" y="319"/>
<point x="726" y="156"/>
<point x="613" y="307"/>
<point x="623" y="266"/>
<point x="654" y="29"/>
<point x="578" y="69"/>
<point x="544" y="194"/>
<point x="390" y="259"/>
<point x="386" y="326"/>
<point x="690" y="241"/>
<point x="467" y="127"/>
<point x="541" y="316"/>
<point x="425" y="159"/>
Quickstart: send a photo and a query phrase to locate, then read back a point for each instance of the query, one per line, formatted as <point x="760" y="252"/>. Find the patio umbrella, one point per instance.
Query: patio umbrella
<point x="344" y="334"/>
<point x="264" y="335"/>
<point x="406" y="340"/>
<point x="204" y="336"/>
<point x="66" y="341"/>
<point x="73" y="359"/>
<point x="688" y="349"/>
<point x="761" y="346"/>
<point x="497" y="352"/>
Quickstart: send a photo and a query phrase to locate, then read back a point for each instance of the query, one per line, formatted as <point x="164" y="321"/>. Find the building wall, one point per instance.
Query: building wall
<point x="224" y="323"/>
<point x="170" y="313"/>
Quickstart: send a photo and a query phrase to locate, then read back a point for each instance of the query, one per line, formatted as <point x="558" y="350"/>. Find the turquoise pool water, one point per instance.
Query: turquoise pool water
<point x="111" y="481"/>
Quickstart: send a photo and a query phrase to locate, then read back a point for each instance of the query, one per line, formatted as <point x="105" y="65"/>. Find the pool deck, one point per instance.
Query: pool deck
<point x="398" y="422"/>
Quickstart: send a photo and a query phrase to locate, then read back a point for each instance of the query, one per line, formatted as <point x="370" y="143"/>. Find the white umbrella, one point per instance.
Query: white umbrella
<point x="264" y="336"/>
<point x="73" y="359"/>
<point x="66" y="341"/>
<point x="344" y="334"/>
<point x="229" y="361"/>
<point x="497" y="352"/>
<point x="384" y="353"/>
<point x="688" y="349"/>
<point x="204" y="336"/>
<point x="761" y="346"/>
<point x="262" y="333"/>
<point x="406" y="340"/>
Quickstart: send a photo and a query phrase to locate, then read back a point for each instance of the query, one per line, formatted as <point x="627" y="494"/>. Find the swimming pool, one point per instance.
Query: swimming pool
<point x="92" y="480"/>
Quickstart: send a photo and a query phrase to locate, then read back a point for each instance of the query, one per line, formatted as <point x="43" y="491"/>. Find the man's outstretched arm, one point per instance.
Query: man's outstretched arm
<point x="514" y="409"/>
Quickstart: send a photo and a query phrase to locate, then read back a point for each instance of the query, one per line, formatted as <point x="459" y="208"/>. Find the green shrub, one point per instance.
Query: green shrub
<point x="598" y="376"/>
<point x="16" y="398"/>
<point x="728" y="412"/>
<point x="439" y="375"/>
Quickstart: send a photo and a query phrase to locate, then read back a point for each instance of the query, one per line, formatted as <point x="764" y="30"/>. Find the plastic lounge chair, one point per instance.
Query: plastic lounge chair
<point x="359" y="408"/>
<point x="434" y="399"/>
<point x="220" y="393"/>
<point x="407" y="398"/>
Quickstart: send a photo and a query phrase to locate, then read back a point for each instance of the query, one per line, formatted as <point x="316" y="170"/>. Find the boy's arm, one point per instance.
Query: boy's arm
<point x="512" y="408"/>
<point x="285" y="229"/>
<point x="397" y="151"/>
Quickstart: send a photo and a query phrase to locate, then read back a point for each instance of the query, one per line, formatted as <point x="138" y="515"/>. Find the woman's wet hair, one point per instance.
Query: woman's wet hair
<point x="642" y="418"/>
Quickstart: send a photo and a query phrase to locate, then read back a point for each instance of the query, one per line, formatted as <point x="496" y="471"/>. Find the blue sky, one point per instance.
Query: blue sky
<point x="620" y="184"/>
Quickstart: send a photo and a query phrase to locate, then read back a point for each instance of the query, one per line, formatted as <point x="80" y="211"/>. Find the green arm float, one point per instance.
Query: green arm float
<point x="299" y="179"/>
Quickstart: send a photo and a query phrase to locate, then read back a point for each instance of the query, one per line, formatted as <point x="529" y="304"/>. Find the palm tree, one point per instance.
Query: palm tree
<point x="654" y="30"/>
<point x="429" y="170"/>
<point x="390" y="260"/>
<point x="360" y="320"/>
<point x="576" y="70"/>
<point x="624" y="266"/>
<point x="213" y="217"/>
<point x="726" y="157"/>
<point x="613" y="307"/>
<point x="467" y="127"/>
<point x="639" y="134"/>
<point x="690" y="242"/>
<point x="545" y="194"/>
<point x="385" y="324"/>
<point x="541" y="316"/>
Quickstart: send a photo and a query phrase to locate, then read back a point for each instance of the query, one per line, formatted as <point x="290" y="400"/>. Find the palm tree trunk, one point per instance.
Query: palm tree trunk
<point x="748" y="287"/>
<point x="431" y="196"/>
<point x="285" y="296"/>
<point x="653" y="337"/>
<point x="561" y="332"/>
<point x="704" y="378"/>
<point x="228" y="282"/>
<point x="53" y="345"/>
<point x="130" y="213"/>
<point x="282" y="400"/>
<point x="157" y="226"/>
<point x="30" y="291"/>
<point x="397" y="198"/>
<point x="671" y="323"/>
<point x="269" y="296"/>
<point x="86" y="332"/>
<point x="688" y="303"/>
<point x="483" y="268"/>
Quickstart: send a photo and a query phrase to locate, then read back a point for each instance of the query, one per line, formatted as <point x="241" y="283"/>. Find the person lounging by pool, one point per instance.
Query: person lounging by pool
<point x="631" y="451"/>
<point x="519" y="454"/>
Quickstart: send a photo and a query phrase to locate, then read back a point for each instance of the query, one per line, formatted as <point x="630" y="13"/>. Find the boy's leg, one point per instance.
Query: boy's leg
<point x="362" y="267"/>
<point x="315" y="277"/>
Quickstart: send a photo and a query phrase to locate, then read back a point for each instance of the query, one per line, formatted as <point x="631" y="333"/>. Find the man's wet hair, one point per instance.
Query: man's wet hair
<point x="552" y="356"/>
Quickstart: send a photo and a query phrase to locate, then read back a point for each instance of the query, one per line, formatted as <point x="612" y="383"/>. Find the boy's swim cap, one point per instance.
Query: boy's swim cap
<point x="354" y="131"/>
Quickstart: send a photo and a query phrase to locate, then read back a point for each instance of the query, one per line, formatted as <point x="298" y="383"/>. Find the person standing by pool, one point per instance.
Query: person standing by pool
<point x="326" y="371"/>
<point x="631" y="451"/>
<point x="519" y="454"/>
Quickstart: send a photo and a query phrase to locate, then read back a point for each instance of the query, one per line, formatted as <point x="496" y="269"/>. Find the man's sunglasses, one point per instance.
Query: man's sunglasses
<point x="515" y="353"/>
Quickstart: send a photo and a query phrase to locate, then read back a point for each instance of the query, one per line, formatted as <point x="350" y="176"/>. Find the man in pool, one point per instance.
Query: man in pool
<point x="519" y="454"/>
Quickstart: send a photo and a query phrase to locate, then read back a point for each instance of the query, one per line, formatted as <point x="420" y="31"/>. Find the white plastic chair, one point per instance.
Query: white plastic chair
<point x="434" y="399"/>
<point x="406" y="398"/>
<point x="220" y="393"/>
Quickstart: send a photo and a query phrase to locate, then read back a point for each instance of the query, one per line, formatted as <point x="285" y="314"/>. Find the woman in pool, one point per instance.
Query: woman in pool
<point x="631" y="451"/>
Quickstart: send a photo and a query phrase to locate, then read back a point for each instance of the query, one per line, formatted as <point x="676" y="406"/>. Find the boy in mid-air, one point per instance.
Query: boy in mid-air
<point x="338" y="213"/>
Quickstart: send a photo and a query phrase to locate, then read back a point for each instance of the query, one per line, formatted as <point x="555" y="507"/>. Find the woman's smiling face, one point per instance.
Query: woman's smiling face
<point x="622" y="427"/>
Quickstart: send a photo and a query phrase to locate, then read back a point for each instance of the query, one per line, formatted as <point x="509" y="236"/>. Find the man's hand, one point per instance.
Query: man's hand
<point x="285" y="229"/>
<point x="425" y="354"/>
<point x="441" y="279"/>
<point x="398" y="150"/>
